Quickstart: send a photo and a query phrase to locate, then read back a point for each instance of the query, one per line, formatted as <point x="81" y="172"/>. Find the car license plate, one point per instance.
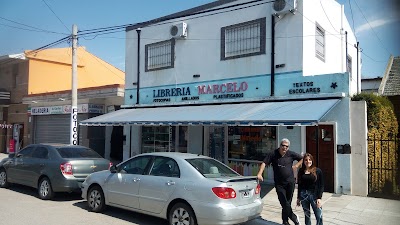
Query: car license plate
<point x="245" y="194"/>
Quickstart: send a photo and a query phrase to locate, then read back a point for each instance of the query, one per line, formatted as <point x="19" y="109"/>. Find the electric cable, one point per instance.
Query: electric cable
<point x="37" y="29"/>
<point x="56" y="15"/>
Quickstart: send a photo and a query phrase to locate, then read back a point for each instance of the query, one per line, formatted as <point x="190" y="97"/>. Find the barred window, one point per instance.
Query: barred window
<point x="160" y="55"/>
<point x="320" y="42"/>
<point x="243" y="39"/>
<point x="349" y="64"/>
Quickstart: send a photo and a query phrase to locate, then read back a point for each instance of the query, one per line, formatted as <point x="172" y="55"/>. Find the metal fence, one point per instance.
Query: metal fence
<point x="383" y="167"/>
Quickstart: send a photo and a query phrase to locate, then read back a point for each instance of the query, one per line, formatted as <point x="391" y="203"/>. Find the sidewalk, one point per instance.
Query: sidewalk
<point x="337" y="209"/>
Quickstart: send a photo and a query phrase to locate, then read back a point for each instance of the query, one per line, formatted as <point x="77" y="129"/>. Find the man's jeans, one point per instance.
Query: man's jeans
<point x="308" y="198"/>
<point x="285" y="195"/>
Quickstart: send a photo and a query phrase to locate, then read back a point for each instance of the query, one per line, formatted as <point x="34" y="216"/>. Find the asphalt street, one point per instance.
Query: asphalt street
<point x="20" y="205"/>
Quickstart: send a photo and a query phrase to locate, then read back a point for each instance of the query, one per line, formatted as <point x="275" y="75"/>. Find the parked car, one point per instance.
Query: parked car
<point x="180" y="187"/>
<point x="51" y="168"/>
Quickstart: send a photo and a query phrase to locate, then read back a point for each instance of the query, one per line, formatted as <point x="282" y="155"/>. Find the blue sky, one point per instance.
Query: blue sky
<point x="377" y="25"/>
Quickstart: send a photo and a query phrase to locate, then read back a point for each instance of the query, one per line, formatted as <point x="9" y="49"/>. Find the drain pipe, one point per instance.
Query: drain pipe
<point x="138" y="66"/>
<point x="358" y="86"/>
<point x="272" y="55"/>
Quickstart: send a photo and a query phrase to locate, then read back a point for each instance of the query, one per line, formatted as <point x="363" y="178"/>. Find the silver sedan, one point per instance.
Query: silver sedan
<point x="185" y="189"/>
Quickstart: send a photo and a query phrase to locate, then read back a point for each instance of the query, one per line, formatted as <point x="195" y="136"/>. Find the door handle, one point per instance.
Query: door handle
<point x="136" y="179"/>
<point x="169" y="183"/>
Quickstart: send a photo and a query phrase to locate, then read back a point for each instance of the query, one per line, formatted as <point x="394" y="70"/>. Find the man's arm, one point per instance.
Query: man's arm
<point x="295" y="168"/>
<point x="260" y="172"/>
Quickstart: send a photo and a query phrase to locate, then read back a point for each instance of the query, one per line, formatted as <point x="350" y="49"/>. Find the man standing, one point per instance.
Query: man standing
<point x="282" y="163"/>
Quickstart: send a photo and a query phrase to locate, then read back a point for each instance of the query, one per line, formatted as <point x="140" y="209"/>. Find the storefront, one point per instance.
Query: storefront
<point x="239" y="135"/>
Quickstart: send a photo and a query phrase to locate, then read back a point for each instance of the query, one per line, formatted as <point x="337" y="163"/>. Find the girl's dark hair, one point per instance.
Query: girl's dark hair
<point x="313" y="168"/>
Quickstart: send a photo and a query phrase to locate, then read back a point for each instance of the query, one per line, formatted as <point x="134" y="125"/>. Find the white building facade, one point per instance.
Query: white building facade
<point x="230" y="79"/>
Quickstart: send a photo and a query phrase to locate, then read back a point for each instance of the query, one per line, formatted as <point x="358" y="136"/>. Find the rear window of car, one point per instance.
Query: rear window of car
<point x="66" y="152"/>
<point x="212" y="168"/>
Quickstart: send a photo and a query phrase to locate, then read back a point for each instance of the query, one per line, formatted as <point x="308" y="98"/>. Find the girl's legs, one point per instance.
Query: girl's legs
<point x="305" y="203"/>
<point x="317" y="211"/>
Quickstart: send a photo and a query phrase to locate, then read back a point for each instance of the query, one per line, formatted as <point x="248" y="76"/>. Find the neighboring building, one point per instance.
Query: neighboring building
<point x="370" y="85"/>
<point x="36" y="102"/>
<point x="230" y="79"/>
<point x="390" y="86"/>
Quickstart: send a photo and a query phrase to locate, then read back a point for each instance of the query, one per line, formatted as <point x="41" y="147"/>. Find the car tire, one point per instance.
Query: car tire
<point x="181" y="213"/>
<point x="3" y="178"/>
<point x="95" y="199"/>
<point x="45" y="190"/>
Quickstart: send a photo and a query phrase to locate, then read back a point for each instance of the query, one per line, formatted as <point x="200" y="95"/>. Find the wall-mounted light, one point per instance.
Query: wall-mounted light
<point x="61" y="99"/>
<point x="196" y="75"/>
<point x="34" y="102"/>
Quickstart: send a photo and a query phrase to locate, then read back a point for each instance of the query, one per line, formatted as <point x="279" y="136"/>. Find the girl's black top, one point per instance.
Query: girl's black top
<point x="308" y="182"/>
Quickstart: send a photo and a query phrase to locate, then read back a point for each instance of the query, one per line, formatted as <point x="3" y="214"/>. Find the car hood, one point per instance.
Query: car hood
<point x="4" y="160"/>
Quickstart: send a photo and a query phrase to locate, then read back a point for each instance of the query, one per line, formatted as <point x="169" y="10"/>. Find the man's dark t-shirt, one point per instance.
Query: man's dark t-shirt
<point x="282" y="166"/>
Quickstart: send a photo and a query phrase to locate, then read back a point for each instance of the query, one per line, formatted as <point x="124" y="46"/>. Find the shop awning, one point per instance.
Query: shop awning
<point x="286" y="113"/>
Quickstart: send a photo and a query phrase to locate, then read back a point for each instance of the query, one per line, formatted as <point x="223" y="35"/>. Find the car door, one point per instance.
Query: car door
<point x="123" y="186"/>
<point x="156" y="188"/>
<point x="36" y="165"/>
<point x="17" y="170"/>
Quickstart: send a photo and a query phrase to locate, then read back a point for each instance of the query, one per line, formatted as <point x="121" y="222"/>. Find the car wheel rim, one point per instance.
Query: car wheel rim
<point x="3" y="178"/>
<point x="94" y="199"/>
<point x="180" y="217"/>
<point x="44" y="188"/>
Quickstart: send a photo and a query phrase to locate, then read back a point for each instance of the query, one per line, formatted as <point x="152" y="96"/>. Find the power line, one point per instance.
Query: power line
<point x="22" y="55"/>
<point x="56" y="15"/>
<point x="352" y="18"/>
<point x="157" y="22"/>
<point x="328" y="16"/>
<point x="37" y="29"/>
<point x="380" y="41"/>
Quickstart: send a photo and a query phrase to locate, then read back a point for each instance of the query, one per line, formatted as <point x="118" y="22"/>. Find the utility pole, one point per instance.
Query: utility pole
<point x="74" y="102"/>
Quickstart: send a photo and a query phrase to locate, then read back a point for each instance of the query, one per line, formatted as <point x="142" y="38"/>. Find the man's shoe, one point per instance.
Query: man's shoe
<point x="286" y="223"/>
<point x="297" y="222"/>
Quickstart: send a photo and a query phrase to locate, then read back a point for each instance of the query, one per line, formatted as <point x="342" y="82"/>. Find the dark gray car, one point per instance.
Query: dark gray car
<point x="51" y="168"/>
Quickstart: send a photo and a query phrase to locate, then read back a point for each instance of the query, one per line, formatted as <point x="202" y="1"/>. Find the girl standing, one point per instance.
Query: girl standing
<point x="310" y="189"/>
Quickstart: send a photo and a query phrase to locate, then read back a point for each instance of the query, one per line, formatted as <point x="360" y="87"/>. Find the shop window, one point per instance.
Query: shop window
<point x="243" y="39"/>
<point x="250" y="143"/>
<point x="158" y="139"/>
<point x="160" y="55"/>
<point x="183" y="138"/>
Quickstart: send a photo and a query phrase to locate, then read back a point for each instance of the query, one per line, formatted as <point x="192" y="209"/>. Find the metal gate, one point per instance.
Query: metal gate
<point x="54" y="128"/>
<point x="383" y="167"/>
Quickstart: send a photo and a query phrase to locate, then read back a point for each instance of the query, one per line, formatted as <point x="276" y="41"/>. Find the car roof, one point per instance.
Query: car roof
<point x="180" y="155"/>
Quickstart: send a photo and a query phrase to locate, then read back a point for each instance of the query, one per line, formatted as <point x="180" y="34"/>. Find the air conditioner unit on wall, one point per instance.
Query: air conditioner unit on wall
<point x="280" y="7"/>
<point x="178" y="30"/>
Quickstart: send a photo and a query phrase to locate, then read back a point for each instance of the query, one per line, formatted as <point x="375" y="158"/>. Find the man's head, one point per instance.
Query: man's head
<point x="284" y="147"/>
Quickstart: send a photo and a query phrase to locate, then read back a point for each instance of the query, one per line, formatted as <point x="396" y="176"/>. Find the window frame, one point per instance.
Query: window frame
<point x="349" y="64"/>
<point x="172" y="41"/>
<point x="262" y="22"/>
<point x="322" y="34"/>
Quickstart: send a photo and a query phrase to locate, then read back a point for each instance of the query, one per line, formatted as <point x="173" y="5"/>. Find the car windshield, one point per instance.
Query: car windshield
<point x="67" y="152"/>
<point x="212" y="168"/>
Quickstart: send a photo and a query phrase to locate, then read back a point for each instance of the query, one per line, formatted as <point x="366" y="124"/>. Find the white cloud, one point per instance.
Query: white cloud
<point x="373" y="24"/>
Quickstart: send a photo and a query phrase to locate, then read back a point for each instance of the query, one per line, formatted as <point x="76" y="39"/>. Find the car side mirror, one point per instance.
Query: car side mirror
<point x="113" y="169"/>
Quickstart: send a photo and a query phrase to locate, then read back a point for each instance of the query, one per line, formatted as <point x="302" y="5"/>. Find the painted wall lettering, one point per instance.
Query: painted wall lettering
<point x="304" y="88"/>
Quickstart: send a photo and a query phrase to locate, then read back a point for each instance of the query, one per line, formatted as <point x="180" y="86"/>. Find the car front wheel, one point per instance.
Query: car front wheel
<point x="182" y="214"/>
<point x="45" y="191"/>
<point x="3" y="178"/>
<point x="95" y="199"/>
